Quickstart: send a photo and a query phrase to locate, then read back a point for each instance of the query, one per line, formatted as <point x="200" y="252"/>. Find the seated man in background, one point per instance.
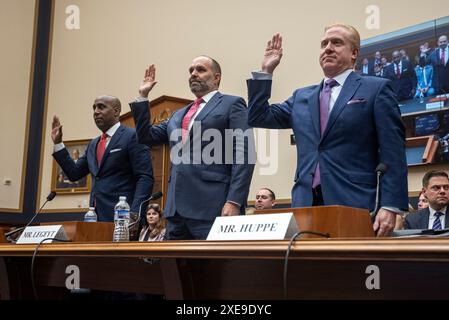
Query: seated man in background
<point x="118" y="164"/>
<point x="436" y="190"/>
<point x="265" y="199"/>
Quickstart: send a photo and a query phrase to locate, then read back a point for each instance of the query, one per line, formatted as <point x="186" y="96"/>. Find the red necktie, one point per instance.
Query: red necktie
<point x="443" y="57"/>
<point x="398" y="71"/>
<point x="101" y="147"/>
<point x="186" y="120"/>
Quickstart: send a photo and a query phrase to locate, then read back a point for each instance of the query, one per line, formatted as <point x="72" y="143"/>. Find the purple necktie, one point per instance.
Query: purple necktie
<point x="325" y="97"/>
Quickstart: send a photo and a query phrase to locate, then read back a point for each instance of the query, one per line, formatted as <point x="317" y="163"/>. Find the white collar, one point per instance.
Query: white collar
<point x="341" y="78"/>
<point x="206" y="98"/>
<point x="111" y="131"/>
<point x="432" y="211"/>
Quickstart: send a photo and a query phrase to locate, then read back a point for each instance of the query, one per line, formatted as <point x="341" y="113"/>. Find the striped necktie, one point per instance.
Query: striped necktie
<point x="437" y="222"/>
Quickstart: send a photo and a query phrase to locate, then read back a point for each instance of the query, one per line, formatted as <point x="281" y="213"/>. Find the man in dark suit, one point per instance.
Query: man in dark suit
<point x="439" y="60"/>
<point x="366" y="69"/>
<point x="212" y="152"/>
<point x="402" y="75"/>
<point x="344" y="127"/>
<point x="436" y="190"/>
<point x="118" y="164"/>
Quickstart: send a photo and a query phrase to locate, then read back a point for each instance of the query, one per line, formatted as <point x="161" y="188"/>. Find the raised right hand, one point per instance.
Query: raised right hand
<point x="148" y="82"/>
<point x="56" y="130"/>
<point x="273" y="54"/>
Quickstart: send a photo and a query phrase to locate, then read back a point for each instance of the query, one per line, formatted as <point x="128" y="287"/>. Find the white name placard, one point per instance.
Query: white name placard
<point x="38" y="233"/>
<point x="277" y="226"/>
<point x="434" y="105"/>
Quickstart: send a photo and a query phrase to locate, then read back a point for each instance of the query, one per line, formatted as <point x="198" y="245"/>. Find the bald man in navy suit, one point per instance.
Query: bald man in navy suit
<point x="211" y="171"/>
<point x="124" y="168"/>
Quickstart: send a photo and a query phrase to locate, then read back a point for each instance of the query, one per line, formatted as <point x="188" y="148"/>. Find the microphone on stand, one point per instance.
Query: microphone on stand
<point x="380" y="171"/>
<point x="154" y="196"/>
<point x="50" y="197"/>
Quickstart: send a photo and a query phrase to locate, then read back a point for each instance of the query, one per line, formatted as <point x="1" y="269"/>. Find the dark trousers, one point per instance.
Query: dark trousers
<point x="317" y="196"/>
<point x="181" y="228"/>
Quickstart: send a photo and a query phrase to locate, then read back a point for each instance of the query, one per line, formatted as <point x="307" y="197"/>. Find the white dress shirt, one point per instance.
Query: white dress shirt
<point x="341" y="79"/>
<point x="206" y="98"/>
<point x="432" y="217"/>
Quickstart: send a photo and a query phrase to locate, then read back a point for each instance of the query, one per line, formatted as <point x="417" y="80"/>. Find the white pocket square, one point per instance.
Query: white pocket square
<point x="356" y="101"/>
<point x="115" y="150"/>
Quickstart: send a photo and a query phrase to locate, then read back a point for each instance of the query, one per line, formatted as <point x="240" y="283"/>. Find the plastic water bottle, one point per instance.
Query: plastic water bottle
<point x="121" y="220"/>
<point x="91" y="215"/>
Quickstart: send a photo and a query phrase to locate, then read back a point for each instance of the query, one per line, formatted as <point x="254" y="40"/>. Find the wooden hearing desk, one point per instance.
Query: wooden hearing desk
<point x="317" y="269"/>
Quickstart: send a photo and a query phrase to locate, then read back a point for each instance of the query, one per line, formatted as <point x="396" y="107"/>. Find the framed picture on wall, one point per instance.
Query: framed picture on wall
<point x="60" y="183"/>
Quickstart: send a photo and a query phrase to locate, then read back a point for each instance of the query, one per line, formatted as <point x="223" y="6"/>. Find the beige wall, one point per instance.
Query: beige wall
<point x="16" y="34"/>
<point x="118" y="39"/>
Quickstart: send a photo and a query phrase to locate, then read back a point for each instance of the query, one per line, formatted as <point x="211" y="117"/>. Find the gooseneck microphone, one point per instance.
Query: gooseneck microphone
<point x="50" y="197"/>
<point x="380" y="171"/>
<point x="154" y="196"/>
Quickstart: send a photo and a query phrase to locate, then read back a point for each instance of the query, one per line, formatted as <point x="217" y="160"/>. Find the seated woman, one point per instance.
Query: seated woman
<point x="154" y="225"/>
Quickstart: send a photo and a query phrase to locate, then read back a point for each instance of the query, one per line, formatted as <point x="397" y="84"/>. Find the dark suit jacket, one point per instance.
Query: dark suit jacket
<point x="420" y="219"/>
<point x="404" y="87"/>
<point x="125" y="170"/>
<point x="199" y="190"/>
<point x="440" y="72"/>
<point x="364" y="129"/>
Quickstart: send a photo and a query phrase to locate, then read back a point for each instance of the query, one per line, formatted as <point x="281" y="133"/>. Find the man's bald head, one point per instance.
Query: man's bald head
<point x="106" y="111"/>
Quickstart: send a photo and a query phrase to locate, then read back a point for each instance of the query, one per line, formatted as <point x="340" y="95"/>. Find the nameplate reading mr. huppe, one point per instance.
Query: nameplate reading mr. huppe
<point x="38" y="233"/>
<point x="277" y="226"/>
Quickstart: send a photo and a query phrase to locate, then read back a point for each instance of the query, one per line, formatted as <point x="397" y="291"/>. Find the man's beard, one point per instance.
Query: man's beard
<point x="199" y="87"/>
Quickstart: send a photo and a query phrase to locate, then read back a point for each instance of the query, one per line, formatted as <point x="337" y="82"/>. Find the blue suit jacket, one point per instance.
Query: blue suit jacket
<point x="125" y="170"/>
<point x="420" y="220"/>
<point x="199" y="190"/>
<point x="440" y="72"/>
<point x="359" y="135"/>
<point x="405" y="86"/>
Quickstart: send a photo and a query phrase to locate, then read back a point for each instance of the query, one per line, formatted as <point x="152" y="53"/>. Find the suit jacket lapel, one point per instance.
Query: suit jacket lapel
<point x="175" y="122"/>
<point x="424" y="223"/>
<point x="114" y="140"/>
<point x="216" y="99"/>
<point x="347" y="92"/>
<point x="446" y="219"/>
<point x="314" y="102"/>
<point x="178" y="116"/>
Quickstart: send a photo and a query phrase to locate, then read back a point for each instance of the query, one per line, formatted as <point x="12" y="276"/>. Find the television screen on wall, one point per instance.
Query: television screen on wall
<point x="416" y="60"/>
